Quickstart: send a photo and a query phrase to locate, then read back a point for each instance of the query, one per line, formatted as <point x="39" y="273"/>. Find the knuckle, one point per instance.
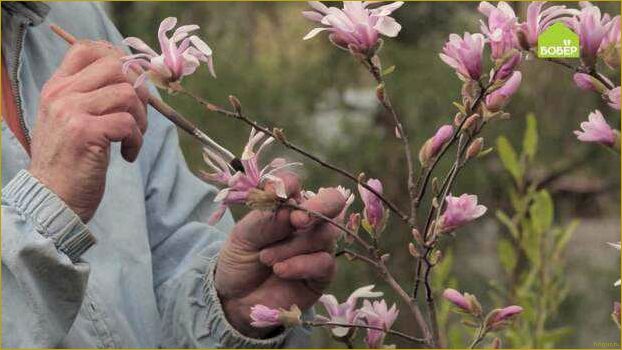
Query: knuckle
<point x="76" y="126"/>
<point x="127" y="92"/>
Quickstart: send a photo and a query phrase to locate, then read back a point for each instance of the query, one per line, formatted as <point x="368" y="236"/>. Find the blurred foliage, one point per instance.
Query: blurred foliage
<point x="532" y="251"/>
<point x="325" y="102"/>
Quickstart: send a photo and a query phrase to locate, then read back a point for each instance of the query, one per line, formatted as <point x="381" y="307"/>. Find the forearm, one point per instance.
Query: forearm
<point x="43" y="280"/>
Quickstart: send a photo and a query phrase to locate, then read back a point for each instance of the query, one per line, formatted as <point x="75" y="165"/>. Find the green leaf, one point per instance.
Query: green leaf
<point x="507" y="222"/>
<point x="564" y="237"/>
<point x="388" y="71"/>
<point x="530" y="138"/>
<point x="542" y="212"/>
<point x="507" y="255"/>
<point x="509" y="158"/>
<point x="485" y="152"/>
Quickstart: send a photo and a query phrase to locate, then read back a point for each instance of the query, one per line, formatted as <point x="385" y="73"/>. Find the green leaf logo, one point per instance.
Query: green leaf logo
<point x="558" y="41"/>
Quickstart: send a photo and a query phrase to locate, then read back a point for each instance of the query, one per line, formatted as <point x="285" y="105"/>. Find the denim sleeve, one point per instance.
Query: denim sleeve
<point x="43" y="279"/>
<point x="184" y="248"/>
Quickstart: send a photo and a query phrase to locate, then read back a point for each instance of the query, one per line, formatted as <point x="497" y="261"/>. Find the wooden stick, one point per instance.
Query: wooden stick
<point x="162" y="107"/>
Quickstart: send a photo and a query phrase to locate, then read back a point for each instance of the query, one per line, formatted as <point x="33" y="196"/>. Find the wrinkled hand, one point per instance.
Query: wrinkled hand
<point x="278" y="258"/>
<point x="87" y="104"/>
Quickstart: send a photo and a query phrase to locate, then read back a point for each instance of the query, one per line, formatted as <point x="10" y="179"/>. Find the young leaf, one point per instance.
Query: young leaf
<point x="530" y="139"/>
<point x="505" y="220"/>
<point x="507" y="255"/>
<point x="509" y="158"/>
<point x="388" y="70"/>
<point x="542" y="211"/>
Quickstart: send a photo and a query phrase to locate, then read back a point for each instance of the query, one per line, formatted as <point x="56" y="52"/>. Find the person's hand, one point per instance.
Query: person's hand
<point x="87" y="104"/>
<point x="278" y="258"/>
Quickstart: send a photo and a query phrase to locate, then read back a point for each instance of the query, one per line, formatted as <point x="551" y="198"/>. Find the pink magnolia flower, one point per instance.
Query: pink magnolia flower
<point x="596" y="129"/>
<point x="457" y="299"/>
<point x="357" y="26"/>
<point x="346" y="313"/>
<point x="538" y="20"/>
<point x="460" y="211"/>
<point x="584" y="82"/>
<point x="609" y="49"/>
<point x="613" y="98"/>
<point x="500" y="97"/>
<point x="374" y="212"/>
<point x="592" y="27"/>
<point x="434" y="144"/>
<point x="500" y="29"/>
<point x="616" y="311"/>
<point x="263" y="316"/>
<point x="181" y="54"/>
<point x="247" y="176"/>
<point x="503" y="316"/>
<point x="377" y="314"/>
<point x="464" y="55"/>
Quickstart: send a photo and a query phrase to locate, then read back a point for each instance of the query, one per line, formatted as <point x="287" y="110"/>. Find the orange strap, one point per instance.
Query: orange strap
<point x="10" y="112"/>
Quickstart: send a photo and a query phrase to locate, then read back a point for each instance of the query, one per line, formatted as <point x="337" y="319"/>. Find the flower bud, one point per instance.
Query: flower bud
<point x="499" y="318"/>
<point x="616" y="313"/>
<point x="413" y="250"/>
<point x="279" y="134"/>
<point x="470" y="122"/>
<point x="417" y="236"/>
<point x="458" y="118"/>
<point x="235" y="103"/>
<point x="385" y="258"/>
<point x="496" y="343"/>
<point x="475" y="148"/>
<point x="291" y="317"/>
<point x="457" y="299"/>
<point x="261" y="200"/>
<point x="380" y="92"/>
<point x="433" y="146"/>
<point x="588" y="83"/>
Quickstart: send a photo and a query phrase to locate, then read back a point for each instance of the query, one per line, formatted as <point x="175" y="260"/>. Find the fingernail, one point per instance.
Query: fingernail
<point x="266" y="257"/>
<point x="278" y="268"/>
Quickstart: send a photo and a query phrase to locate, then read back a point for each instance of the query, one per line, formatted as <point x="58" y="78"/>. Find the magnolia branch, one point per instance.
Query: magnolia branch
<point x="281" y="138"/>
<point x="387" y="331"/>
<point x="377" y="263"/>
<point x="385" y="100"/>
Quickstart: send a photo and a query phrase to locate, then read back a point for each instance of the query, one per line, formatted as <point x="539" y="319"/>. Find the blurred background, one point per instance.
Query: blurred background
<point x="325" y="102"/>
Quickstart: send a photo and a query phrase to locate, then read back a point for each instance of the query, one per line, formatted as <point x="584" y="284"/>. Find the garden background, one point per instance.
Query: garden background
<point x="326" y="103"/>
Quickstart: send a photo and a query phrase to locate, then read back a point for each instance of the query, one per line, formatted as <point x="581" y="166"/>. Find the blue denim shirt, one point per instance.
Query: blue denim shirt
<point x="140" y="273"/>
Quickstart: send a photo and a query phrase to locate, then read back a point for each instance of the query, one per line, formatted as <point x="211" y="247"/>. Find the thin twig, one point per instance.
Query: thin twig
<point x="388" y="331"/>
<point x="375" y="262"/>
<point x="581" y="69"/>
<point x="410" y="164"/>
<point x="238" y="115"/>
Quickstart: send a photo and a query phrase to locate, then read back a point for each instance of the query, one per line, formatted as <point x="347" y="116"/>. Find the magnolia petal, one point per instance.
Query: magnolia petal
<point x="139" y="45"/>
<point x="313" y="16"/>
<point x="318" y="6"/>
<point x="201" y="45"/>
<point x="314" y="32"/>
<point x="388" y="26"/>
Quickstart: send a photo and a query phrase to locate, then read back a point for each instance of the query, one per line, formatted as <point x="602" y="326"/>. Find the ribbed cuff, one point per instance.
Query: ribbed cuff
<point x="52" y="218"/>
<point x="229" y="337"/>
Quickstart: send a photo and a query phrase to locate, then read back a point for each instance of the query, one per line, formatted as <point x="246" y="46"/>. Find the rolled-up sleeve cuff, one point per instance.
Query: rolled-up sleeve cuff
<point x="229" y="337"/>
<point x="51" y="217"/>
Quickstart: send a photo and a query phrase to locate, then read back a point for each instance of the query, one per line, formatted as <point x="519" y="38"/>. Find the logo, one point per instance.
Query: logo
<point x="558" y="41"/>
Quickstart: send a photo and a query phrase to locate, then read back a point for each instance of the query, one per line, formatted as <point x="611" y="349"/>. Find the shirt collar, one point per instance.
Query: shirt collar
<point x="33" y="12"/>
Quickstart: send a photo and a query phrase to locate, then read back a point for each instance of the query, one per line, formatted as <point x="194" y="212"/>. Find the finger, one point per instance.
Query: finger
<point x="120" y="127"/>
<point x="83" y="53"/>
<point x="290" y="181"/>
<point x="328" y="202"/>
<point x="260" y="228"/>
<point x="319" y="267"/>
<point x="104" y="71"/>
<point x="117" y="98"/>
<point x="302" y="243"/>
